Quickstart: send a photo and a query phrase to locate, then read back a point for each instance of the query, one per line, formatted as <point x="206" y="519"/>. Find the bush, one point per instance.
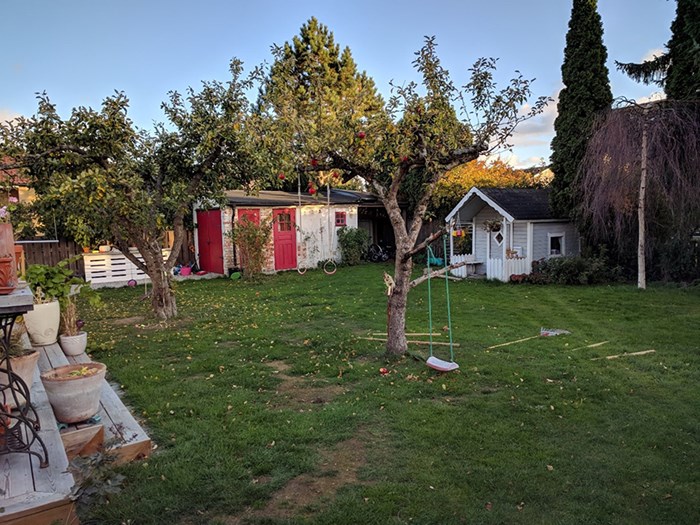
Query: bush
<point x="353" y="244"/>
<point x="573" y="270"/>
<point x="252" y="240"/>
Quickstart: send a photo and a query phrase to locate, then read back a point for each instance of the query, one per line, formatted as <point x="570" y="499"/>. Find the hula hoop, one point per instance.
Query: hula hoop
<point x="330" y="263"/>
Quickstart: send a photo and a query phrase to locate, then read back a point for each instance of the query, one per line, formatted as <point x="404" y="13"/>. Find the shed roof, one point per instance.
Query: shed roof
<point x="521" y="204"/>
<point x="287" y="198"/>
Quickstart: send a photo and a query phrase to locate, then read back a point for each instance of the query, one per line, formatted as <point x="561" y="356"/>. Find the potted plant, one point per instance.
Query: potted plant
<point x="23" y="360"/>
<point x="49" y="284"/>
<point x="73" y="340"/>
<point x="74" y="390"/>
<point x="8" y="266"/>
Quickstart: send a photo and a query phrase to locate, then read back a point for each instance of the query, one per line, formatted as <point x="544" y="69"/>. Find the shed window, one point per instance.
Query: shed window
<point x="341" y="218"/>
<point x="556" y="244"/>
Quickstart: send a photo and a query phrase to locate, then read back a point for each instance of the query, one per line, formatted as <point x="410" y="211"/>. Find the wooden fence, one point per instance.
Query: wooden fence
<point x="51" y="252"/>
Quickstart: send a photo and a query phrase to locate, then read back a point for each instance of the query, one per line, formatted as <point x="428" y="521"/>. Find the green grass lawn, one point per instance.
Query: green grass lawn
<point x="267" y="408"/>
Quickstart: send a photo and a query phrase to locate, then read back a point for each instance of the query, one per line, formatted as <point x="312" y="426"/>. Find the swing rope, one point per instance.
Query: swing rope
<point x="432" y="361"/>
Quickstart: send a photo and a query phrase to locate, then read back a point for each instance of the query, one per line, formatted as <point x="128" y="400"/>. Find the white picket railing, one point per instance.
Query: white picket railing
<point x="502" y="269"/>
<point x="470" y="267"/>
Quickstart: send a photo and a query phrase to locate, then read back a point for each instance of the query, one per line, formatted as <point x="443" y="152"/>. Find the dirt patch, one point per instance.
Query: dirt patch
<point x="338" y="467"/>
<point x="128" y="321"/>
<point x="294" y="391"/>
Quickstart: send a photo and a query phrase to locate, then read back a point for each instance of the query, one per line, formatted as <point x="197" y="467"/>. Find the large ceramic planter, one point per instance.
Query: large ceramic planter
<point x="8" y="266"/>
<point x="74" y="396"/>
<point x="73" y="344"/>
<point x="24" y="367"/>
<point x="42" y="323"/>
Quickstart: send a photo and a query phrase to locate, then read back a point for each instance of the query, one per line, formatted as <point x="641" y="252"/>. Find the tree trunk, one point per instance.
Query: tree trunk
<point x="163" y="298"/>
<point x="396" y="344"/>
<point x="641" y="211"/>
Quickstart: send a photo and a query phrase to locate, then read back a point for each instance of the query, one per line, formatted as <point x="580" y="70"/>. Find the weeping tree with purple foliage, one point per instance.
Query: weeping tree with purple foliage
<point x="641" y="172"/>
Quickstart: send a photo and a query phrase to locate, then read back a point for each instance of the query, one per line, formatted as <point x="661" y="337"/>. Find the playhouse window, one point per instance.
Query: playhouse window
<point x="498" y="238"/>
<point x="341" y="218"/>
<point x="556" y="244"/>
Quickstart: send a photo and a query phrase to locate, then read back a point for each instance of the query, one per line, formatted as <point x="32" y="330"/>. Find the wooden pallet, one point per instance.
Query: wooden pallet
<point x="117" y="425"/>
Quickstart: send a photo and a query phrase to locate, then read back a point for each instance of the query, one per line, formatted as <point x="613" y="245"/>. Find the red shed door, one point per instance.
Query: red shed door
<point x="211" y="251"/>
<point x="285" y="239"/>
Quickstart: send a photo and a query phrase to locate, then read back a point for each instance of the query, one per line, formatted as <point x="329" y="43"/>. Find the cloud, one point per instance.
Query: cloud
<point x="653" y="53"/>
<point x="7" y="115"/>
<point x="654" y="97"/>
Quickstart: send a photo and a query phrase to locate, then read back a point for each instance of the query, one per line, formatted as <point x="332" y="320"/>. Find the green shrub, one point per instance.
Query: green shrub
<point x="252" y="240"/>
<point x="573" y="270"/>
<point x="353" y="244"/>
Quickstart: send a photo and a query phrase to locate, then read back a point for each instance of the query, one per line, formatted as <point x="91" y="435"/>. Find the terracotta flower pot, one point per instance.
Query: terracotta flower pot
<point x="8" y="267"/>
<point x="73" y="344"/>
<point x="74" y="390"/>
<point x="42" y="323"/>
<point x="24" y="367"/>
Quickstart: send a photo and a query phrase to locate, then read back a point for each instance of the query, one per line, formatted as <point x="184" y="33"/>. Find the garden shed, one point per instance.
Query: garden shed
<point x="304" y="227"/>
<point x="499" y="232"/>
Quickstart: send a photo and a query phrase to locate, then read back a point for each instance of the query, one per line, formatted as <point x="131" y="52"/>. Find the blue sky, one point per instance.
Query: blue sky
<point x="80" y="51"/>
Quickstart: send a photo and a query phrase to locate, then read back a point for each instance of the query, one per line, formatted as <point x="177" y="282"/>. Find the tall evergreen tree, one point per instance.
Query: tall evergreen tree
<point x="313" y="85"/>
<point x="586" y="92"/>
<point x="677" y="70"/>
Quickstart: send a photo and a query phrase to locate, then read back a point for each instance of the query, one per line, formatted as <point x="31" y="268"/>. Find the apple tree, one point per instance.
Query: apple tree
<point x="415" y="137"/>
<point x="113" y="181"/>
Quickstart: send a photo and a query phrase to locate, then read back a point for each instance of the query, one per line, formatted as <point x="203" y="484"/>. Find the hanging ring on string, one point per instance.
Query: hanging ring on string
<point x="330" y="267"/>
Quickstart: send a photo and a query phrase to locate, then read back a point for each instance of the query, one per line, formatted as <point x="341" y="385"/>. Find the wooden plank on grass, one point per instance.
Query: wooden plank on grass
<point x="643" y="352"/>
<point x="437" y="343"/>
<point x="512" y="342"/>
<point x="413" y="334"/>
<point x="594" y="345"/>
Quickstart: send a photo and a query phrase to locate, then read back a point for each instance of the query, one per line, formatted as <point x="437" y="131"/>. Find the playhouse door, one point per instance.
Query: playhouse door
<point x="285" y="239"/>
<point x="211" y="251"/>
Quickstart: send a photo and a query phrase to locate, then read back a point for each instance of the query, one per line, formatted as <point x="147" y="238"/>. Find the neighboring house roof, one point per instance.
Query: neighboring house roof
<point x="521" y="204"/>
<point x="13" y="176"/>
<point x="287" y="198"/>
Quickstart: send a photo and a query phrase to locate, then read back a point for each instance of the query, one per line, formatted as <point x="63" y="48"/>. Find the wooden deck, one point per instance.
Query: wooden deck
<point x="119" y="427"/>
<point x="36" y="496"/>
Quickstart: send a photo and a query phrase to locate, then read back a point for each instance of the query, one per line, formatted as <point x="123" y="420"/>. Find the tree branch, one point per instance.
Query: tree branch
<point x="422" y="246"/>
<point x="435" y="273"/>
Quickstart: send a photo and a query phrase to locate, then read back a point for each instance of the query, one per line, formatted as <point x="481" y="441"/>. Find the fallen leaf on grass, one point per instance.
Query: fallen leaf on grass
<point x="488" y="505"/>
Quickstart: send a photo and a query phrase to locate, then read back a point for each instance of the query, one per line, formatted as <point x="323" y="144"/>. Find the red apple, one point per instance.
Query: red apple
<point x="314" y="162"/>
<point x="280" y="176"/>
<point x="361" y="135"/>
<point x="312" y="191"/>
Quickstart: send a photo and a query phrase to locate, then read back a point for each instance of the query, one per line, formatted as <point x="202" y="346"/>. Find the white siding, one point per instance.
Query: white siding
<point x="317" y="238"/>
<point x="542" y="232"/>
<point x="481" y="236"/>
<point x="520" y="237"/>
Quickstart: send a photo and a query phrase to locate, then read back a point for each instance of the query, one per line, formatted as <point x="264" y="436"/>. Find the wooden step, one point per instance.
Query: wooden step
<point x="120" y="429"/>
<point x="30" y="494"/>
